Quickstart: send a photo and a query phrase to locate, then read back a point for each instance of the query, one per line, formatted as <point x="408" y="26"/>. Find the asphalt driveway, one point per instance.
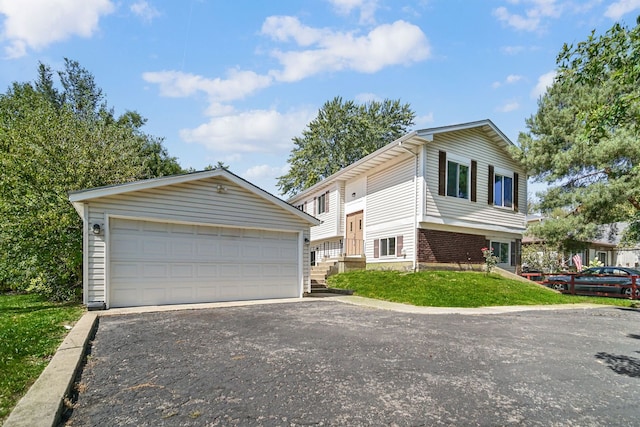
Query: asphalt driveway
<point x="329" y="363"/>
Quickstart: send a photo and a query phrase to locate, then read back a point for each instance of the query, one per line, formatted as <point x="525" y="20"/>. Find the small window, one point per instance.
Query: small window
<point x="457" y="180"/>
<point x="501" y="250"/>
<point x="388" y="246"/>
<point x="301" y="207"/>
<point x="322" y="204"/>
<point x="602" y="257"/>
<point x="503" y="191"/>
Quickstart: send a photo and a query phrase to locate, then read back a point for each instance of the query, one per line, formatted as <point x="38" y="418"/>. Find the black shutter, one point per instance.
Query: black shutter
<point x="442" y="172"/>
<point x="474" y="179"/>
<point x="515" y="191"/>
<point x="490" y="186"/>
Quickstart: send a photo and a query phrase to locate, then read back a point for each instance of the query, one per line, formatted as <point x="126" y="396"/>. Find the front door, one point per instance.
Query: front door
<point x="355" y="244"/>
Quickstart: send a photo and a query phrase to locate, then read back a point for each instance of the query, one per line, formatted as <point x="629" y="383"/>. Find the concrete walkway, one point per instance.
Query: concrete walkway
<point x="42" y="405"/>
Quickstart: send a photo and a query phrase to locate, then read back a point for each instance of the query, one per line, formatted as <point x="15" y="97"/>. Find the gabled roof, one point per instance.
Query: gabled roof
<point x="77" y="198"/>
<point x="403" y="145"/>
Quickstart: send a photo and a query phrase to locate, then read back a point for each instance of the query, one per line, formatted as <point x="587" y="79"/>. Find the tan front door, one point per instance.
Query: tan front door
<point x="355" y="244"/>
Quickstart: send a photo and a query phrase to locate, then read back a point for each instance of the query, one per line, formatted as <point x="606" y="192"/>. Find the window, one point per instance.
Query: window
<point x="602" y="257"/>
<point x="301" y="207"/>
<point x="503" y="191"/>
<point x="457" y="180"/>
<point x="322" y="207"/>
<point x="388" y="246"/>
<point x="501" y="250"/>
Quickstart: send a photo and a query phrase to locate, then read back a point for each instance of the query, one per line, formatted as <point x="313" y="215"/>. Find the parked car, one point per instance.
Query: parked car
<point x="608" y="279"/>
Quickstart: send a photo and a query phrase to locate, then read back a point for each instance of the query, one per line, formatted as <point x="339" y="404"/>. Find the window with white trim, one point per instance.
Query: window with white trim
<point x="388" y="246"/>
<point x="501" y="250"/>
<point x="322" y="204"/>
<point x="457" y="179"/>
<point x="503" y="190"/>
<point x="602" y="257"/>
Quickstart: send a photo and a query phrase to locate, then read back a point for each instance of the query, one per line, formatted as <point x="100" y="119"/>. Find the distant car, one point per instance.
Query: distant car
<point x="598" y="279"/>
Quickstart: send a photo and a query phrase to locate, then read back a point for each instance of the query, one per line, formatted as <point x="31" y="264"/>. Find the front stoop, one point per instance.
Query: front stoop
<point x="319" y="275"/>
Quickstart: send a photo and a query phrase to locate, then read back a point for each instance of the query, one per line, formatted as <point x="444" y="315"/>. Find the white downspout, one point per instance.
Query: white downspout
<point x="415" y="207"/>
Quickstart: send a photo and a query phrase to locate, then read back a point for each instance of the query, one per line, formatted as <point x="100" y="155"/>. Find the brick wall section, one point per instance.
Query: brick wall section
<point x="444" y="246"/>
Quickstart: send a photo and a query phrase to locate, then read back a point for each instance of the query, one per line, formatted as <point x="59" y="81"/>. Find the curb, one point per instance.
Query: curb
<point x="42" y="405"/>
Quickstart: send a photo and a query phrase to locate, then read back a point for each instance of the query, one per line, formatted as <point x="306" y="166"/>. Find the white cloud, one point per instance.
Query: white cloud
<point x="619" y="8"/>
<point x="424" y="121"/>
<point x="237" y="85"/>
<point x="388" y="44"/>
<point x="509" y="106"/>
<point x="512" y="50"/>
<point x="510" y="79"/>
<point x="144" y="10"/>
<point x="252" y="131"/>
<point x="532" y="18"/>
<point x="544" y="82"/>
<point x="367" y="8"/>
<point x="36" y="24"/>
<point x="363" y="98"/>
<point x="263" y="172"/>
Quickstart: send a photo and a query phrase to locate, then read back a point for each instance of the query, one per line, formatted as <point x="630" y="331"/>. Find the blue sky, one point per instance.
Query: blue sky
<point x="234" y="81"/>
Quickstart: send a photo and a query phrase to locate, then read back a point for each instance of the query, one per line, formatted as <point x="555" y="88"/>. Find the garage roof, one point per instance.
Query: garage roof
<point x="77" y="198"/>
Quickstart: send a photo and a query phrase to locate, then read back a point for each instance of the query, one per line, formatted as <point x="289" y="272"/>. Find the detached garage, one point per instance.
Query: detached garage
<point x="201" y="237"/>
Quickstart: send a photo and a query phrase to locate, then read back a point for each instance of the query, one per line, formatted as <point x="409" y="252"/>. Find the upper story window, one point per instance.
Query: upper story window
<point x="300" y="207"/>
<point x="457" y="176"/>
<point x="503" y="190"/>
<point x="457" y="180"/>
<point x="322" y="203"/>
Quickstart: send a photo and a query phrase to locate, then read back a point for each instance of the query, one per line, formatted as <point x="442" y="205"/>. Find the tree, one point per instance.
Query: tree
<point x="52" y="142"/>
<point x="341" y="134"/>
<point x="583" y="140"/>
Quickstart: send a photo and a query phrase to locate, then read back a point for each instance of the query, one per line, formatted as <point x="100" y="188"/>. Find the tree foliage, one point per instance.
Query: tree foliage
<point x="342" y="133"/>
<point x="583" y="140"/>
<point x="53" y="141"/>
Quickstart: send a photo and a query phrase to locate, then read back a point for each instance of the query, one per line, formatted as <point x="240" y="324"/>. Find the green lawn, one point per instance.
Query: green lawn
<point x="31" y="329"/>
<point x="455" y="289"/>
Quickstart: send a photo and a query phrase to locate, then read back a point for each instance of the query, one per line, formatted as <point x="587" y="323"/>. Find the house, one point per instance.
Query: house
<point x="606" y="249"/>
<point x="199" y="237"/>
<point x="434" y="197"/>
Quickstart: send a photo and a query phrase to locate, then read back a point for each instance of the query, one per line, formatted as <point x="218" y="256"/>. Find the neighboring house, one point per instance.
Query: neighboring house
<point x="199" y="237"/>
<point x="606" y="249"/>
<point x="433" y="196"/>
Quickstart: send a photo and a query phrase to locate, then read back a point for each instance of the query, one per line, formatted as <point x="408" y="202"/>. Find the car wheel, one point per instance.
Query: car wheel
<point x="627" y="292"/>
<point x="560" y="287"/>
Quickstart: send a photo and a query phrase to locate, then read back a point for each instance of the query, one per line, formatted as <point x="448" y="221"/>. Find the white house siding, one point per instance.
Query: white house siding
<point x="194" y="202"/>
<point x="390" y="208"/>
<point x="96" y="259"/>
<point x="472" y="145"/>
<point x="330" y="226"/>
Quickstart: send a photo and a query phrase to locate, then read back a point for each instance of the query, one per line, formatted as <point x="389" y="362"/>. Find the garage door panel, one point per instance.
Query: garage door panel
<point x="163" y="263"/>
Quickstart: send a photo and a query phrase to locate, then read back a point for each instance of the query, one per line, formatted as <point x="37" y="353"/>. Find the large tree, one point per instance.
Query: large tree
<point x="342" y="133"/>
<point x="53" y="141"/>
<point x="583" y="140"/>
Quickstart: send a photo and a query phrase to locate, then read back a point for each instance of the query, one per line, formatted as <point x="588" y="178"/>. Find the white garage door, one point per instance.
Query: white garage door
<point x="154" y="263"/>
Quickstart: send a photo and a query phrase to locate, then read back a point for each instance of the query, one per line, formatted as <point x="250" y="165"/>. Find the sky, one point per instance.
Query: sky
<point x="235" y="81"/>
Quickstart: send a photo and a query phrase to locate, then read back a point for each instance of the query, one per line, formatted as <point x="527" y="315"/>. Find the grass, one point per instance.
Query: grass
<point x="455" y="289"/>
<point x="31" y="329"/>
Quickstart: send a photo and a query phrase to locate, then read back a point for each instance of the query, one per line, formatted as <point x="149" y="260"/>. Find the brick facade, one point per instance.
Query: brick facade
<point x="449" y="247"/>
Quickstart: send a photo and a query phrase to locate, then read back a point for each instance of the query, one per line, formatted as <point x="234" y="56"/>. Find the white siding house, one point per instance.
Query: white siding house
<point x="200" y="237"/>
<point x="434" y="196"/>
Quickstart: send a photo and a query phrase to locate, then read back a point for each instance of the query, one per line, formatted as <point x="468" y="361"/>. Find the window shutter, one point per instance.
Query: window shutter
<point x="399" y="241"/>
<point x="474" y="179"/>
<point x="490" y="186"/>
<point x="315" y="205"/>
<point x="515" y="191"/>
<point x="442" y="172"/>
<point x="513" y="253"/>
<point x="305" y="207"/>
<point x="376" y="248"/>
<point x="326" y="201"/>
